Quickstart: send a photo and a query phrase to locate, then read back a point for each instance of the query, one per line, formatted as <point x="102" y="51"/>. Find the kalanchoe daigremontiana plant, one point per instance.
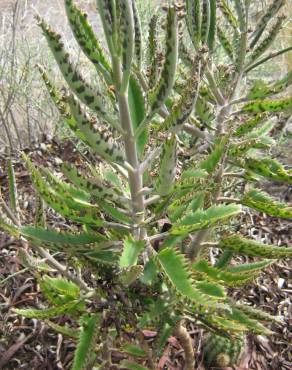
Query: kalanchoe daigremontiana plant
<point x="172" y="110"/>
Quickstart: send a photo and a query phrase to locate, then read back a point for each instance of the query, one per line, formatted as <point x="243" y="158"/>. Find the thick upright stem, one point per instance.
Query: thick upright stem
<point x="135" y="177"/>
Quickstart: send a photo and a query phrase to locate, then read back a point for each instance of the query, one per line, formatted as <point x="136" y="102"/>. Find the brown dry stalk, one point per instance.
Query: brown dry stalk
<point x="186" y="342"/>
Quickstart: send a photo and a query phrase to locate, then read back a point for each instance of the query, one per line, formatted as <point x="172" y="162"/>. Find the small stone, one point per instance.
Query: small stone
<point x="43" y="147"/>
<point x="58" y="161"/>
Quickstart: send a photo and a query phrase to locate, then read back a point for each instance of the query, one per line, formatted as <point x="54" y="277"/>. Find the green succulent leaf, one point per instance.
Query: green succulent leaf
<point x="127" y="35"/>
<point x="248" y="268"/>
<point x="98" y="140"/>
<point x="181" y="111"/>
<point x="63" y="329"/>
<point x="161" y="91"/>
<point x="260" y="106"/>
<point x="62" y="238"/>
<point x="269" y="168"/>
<point x="194" y="20"/>
<point x="133" y="350"/>
<point x="269" y="39"/>
<point x="174" y="265"/>
<point x="65" y="206"/>
<point x="228" y="14"/>
<point x="262" y="202"/>
<point x="252" y="324"/>
<point x="46" y="313"/>
<point x="225" y="42"/>
<point x="269" y="14"/>
<point x="96" y="187"/>
<point x="210" y="163"/>
<point x="212" y="28"/>
<point x="129" y="275"/>
<point x="215" y="274"/>
<point x="205" y="25"/>
<point x="152" y="59"/>
<point x="255" y="313"/>
<point x="131" y="251"/>
<point x="251" y="248"/>
<point x="137" y="111"/>
<point x="92" y="98"/>
<point x="167" y="171"/>
<point x="203" y="219"/>
<point x="138" y="35"/>
<point x="87" y="342"/>
<point x="87" y="40"/>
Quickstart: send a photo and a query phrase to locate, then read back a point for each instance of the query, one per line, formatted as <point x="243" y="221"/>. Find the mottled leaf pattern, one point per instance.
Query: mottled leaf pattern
<point x="163" y="88"/>
<point x="87" y="40"/>
<point x="251" y="248"/>
<point x="167" y="169"/>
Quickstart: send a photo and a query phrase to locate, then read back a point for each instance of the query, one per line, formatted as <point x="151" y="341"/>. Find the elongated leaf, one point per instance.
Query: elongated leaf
<point x="59" y="291"/>
<point x="271" y="11"/>
<point x="129" y="275"/>
<point x="228" y="14"/>
<point x="7" y="225"/>
<point x="131" y="251"/>
<point x="62" y="188"/>
<point x="87" y="337"/>
<point x="163" y="88"/>
<point x="133" y="350"/>
<point x="248" y="268"/>
<point x="210" y="163"/>
<point x="255" y="313"/>
<point x="116" y="214"/>
<point x="174" y="265"/>
<point x="210" y="289"/>
<point x="204" y="219"/>
<point x="269" y="39"/>
<point x="247" y="126"/>
<point x="46" y="313"/>
<point x="167" y="169"/>
<point x="182" y="110"/>
<point x="152" y="57"/>
<point x="126" y="34"/>
<point x="138" y="35"/>
<point x="137" y="111"/>
<point x="98" y="188"/>
<point x="212" y="28"/>
<point x="205" y="25"/>
<point x="87" y="40"/>
<point x="193" y="19"/>
<point x="100" y="142"/>
<point x="64" y="206"/>
<point x="226" y="44"/>
<point x="213" y="273"/>
<point x="264" y="203"/>
<point x="269" y="168"/>
<point x="50" y="236"/>
<point x="107" y="13"/>
<point x="92" y="98"/>
<point x="261" y="89"/>
<point x="63" y="107"/>
<point x="252" y="324"/>
<point x="248" y="247"/>
<point x="260" y="106"/>
<point x="63" y="329"/>
<point x="62" y="286"/>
